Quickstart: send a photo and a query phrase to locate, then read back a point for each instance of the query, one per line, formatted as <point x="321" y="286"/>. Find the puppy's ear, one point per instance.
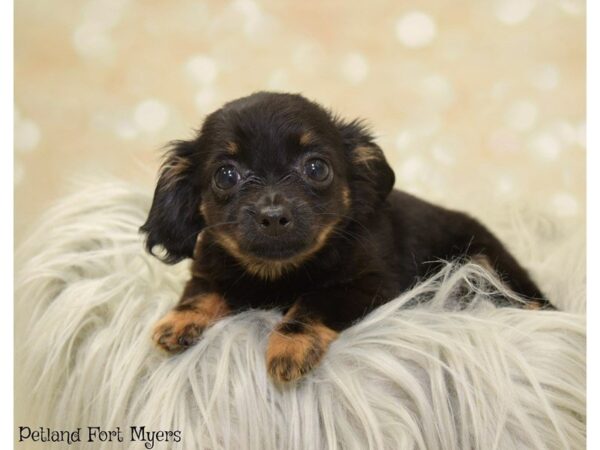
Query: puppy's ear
<point x="174" y="220"/>
<point x="371" y="174"/>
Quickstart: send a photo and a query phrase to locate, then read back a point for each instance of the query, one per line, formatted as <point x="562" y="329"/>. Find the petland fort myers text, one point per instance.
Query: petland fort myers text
<point x="91" y="435"/>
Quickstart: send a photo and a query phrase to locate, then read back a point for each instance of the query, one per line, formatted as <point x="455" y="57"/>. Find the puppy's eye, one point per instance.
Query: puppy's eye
<point x="317" y="169"/>
<point x="226" y="177"/>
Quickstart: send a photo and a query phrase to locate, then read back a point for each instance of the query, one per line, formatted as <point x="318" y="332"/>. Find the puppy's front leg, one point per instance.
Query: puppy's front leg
<point x="300" y="340"/>
<point x="198" y="308"/>
<point x="297" y="344"/>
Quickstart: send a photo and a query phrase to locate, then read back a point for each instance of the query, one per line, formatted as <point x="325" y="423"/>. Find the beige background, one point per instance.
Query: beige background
<point x="480" y="97"/>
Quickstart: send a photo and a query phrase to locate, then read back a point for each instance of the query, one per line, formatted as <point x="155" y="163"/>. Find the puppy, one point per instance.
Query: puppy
<point x="281" y="204"/>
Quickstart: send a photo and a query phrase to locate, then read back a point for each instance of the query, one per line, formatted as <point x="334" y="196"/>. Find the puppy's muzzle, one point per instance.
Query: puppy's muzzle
<point x="274" y="220"/>
<point x="274" y="215"/>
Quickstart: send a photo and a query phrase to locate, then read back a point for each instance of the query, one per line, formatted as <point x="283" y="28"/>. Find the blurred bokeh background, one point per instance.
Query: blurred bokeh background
<point x="480" y="100"/>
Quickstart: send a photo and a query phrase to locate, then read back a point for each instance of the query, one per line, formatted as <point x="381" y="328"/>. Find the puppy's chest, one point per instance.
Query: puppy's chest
<point x="261" y="294"/>
<point x="253" y="292"/>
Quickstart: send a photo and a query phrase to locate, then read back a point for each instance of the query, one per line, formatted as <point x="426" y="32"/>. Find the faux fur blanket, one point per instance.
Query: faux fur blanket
<point x="438" y="368"/>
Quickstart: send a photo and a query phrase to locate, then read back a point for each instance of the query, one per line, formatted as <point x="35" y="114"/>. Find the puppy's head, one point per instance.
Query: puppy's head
<point x="269" y="177"/>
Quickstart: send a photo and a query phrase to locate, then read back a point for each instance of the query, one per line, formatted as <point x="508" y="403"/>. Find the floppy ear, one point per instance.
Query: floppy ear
<point x="370" y="172"/>
<point x="174" y="220"/>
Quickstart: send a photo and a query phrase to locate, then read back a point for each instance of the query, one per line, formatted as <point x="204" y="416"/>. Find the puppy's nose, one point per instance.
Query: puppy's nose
<point x="274" y="220"/>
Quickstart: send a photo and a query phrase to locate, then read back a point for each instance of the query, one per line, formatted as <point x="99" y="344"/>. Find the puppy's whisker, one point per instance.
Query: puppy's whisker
<point x="286" y="178"/>
<point x="214" y="225"/>
<point x="347" y="236"/>
<point x="251" y="181"/>
<point x="344" y="216"/>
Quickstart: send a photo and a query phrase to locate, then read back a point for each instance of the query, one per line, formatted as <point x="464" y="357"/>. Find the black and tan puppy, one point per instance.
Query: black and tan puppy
<point x="280" y="204"/>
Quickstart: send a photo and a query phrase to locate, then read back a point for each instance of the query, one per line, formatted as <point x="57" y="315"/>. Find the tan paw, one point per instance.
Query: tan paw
<point x="290" y="356"/>
<point x="179" y="330"/>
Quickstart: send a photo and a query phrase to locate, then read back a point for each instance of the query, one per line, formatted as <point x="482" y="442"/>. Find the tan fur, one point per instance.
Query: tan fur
<point x="198" y="245"/>
<point x="484" y="262"/>
<point x="365" y="154"/>
<point x="271" y="270"/>
<point x="268" y="270"/>
<point x="213" y="306"/>
<point x="532" y="306"/>
<point x="232" y="148"/>
<point x="181" y="328"/>
<point x="229" y="244"/>
<point x="291" y="355"/>
<point x="306" y="138"/>
<point x="174" y="170"/>
<point x="346" y="198"/>
<point x="203" y="209"/>
<point x="293" y="346"/>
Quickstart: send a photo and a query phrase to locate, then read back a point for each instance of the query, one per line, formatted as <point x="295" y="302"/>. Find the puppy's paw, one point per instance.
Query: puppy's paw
<point x="292" y="355"/>
<point x="179" y="330"/>
<point x="181" y="327"/>
<point x="291" y="365"/>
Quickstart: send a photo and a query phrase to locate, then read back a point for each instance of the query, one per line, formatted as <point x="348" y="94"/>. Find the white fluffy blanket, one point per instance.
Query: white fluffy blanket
<point x="425" y="377"/>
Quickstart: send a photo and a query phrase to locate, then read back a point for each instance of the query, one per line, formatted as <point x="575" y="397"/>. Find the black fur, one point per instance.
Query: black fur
<point x="382" y="240"/>
<point x="174" y="220"/>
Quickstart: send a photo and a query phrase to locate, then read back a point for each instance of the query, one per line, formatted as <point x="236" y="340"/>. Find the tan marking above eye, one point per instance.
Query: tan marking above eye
<point x="232" y="148"/>
<point x="306" y="138"/>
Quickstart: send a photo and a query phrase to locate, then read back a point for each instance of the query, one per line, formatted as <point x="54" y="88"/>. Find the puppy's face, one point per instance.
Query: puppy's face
<point x="273" y="187"/>
<point x="270" y="177"/>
